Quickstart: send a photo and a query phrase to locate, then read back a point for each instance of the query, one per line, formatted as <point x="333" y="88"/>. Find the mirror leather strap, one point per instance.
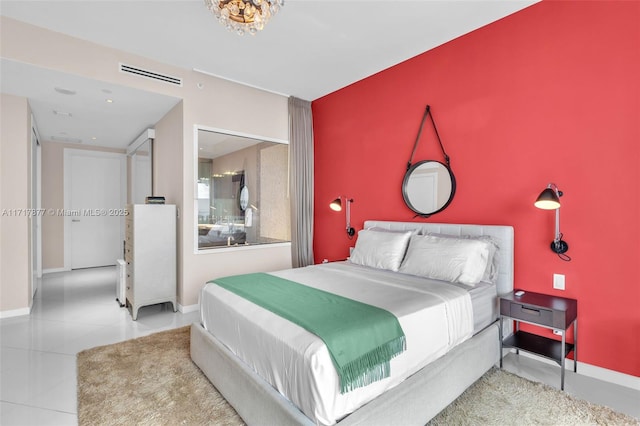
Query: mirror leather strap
<point x="427" y="112"/>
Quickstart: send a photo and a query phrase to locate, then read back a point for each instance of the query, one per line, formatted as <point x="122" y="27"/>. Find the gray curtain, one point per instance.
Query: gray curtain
<point x="301" y="188"/>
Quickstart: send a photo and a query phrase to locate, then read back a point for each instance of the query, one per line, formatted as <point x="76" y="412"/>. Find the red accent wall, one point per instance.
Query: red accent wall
<point x="549" y="94"/>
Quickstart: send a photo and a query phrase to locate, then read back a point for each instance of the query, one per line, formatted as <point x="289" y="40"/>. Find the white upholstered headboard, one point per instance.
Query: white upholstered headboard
<point x="502" y="234"/>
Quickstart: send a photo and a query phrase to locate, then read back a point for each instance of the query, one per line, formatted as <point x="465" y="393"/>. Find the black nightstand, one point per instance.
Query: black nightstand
<point x="556" y="313"/>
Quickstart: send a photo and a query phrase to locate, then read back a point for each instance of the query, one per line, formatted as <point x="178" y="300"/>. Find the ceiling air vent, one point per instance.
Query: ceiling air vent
<point x="65" y="139"/>
<point x="150" y="74"/>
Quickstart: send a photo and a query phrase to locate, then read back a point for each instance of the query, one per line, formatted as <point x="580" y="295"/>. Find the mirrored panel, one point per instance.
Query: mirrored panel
<point x="428" y="187"/>
<point x="242" y="191"/>
<point x="141" y="172"/>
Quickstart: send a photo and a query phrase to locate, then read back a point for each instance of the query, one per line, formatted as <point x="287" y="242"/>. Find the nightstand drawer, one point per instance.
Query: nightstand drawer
<point x="532" y="314"/>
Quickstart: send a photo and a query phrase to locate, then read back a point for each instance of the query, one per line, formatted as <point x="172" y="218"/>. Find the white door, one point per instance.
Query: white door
<point x="94" y="204"/>
<point x="423" y="187"/>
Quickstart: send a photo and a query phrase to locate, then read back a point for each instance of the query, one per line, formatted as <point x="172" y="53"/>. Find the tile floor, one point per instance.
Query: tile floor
<point x="77" y="310"/>
<point x="72" y="311"/>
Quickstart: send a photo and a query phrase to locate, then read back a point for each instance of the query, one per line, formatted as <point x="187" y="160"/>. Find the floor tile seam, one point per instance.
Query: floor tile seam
<point x="31" y="401"/>
<point x="33" y="316"/>
<point x="23" y="320"/>
<point x="21" y="348"/>
<point x="60" y="352"/>
<point x="77" y="321"/>
<point x="40" y="408"/>
<point x="38" y="376"/>
<point x="55" y="352"/>
<point x="41" y="351"/>
<point x="53" y="348"/>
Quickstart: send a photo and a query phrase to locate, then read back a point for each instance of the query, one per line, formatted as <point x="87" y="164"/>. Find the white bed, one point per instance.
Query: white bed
<point x="424" y="379"/>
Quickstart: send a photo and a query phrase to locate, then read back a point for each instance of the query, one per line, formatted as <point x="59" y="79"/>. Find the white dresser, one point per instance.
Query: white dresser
<point x="150" y="254"/>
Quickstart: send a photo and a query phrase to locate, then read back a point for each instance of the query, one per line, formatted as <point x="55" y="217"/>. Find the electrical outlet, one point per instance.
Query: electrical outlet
<point x="558" y="281"/>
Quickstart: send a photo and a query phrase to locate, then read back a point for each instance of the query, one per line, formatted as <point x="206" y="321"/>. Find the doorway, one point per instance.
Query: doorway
<point x="94" y="207"/>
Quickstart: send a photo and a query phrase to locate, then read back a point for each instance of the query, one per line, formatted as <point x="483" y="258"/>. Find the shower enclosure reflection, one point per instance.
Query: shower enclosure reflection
<point x="242" y="191"/>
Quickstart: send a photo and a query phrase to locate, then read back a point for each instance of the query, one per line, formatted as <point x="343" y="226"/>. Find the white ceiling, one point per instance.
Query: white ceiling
<point x="309" y="49"/>
<point x="84" y="117"/>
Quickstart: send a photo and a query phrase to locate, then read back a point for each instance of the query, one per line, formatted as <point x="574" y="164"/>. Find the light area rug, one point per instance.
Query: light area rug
<point x="152" y="381"/>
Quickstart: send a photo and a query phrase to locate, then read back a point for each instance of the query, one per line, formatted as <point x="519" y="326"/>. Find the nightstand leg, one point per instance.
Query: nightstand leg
<point x="562" y="357"/>
<point x="500" y="334"/>
<point x="516" y="330"/>
<point x="575" y="346"/>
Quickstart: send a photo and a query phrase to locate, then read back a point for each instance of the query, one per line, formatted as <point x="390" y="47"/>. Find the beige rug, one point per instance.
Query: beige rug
<point x="152" y="381"/>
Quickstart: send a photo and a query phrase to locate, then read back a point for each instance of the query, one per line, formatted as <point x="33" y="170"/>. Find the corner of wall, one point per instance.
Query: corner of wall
<point x="15" y="131"/>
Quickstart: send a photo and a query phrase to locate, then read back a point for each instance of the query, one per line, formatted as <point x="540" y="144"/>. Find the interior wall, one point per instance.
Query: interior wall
<point x="548" y="94"/>
<point x="217" y="108"/>
<point x="15" y="178"/>
<point x="168" y="163"/>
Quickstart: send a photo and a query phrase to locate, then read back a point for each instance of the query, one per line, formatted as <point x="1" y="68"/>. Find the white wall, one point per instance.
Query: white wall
<point x="15" y="178"/>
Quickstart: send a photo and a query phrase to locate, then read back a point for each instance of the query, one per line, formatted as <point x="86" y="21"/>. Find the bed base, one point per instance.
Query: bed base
<point x="413" y="402"/>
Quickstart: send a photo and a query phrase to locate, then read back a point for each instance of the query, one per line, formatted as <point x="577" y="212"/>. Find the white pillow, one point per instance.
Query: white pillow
<point x="458" y="260"/>
<point x="491" y="273"/>
<point x="380" y="249"/>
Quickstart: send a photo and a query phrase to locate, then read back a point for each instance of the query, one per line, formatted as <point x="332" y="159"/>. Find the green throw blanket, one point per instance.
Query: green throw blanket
<point x="361" y="338"/>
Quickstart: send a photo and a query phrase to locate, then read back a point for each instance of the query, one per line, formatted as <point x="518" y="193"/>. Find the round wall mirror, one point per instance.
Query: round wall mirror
<point x="428" y="187"/>
<point x="244" y="198"/>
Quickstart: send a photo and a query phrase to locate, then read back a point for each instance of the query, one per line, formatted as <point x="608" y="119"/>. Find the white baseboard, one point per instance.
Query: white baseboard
<point x="188" y="308"/>
<point x="600" y="373"/>
<point x="611" y="376"/>
<point x="52" y="270"/>
<point x="15" y="313"/>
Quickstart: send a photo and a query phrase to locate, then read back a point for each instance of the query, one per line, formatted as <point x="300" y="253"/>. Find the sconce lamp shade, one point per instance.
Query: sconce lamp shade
<point x="548" y="200"/>
<point x="336" y="205"/>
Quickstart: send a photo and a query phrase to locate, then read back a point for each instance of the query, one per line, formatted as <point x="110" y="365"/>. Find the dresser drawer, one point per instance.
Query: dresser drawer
<point x="532" y="314"/>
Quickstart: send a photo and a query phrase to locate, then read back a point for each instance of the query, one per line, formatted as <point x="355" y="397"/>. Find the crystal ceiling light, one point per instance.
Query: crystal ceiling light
<point x="244" y="16"/>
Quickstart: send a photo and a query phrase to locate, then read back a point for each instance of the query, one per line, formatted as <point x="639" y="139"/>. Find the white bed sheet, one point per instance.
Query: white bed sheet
<point x="434" y="316"/>
<point x="484" y="300"/>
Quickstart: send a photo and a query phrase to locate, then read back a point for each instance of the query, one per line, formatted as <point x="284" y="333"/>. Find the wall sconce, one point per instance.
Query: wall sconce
<point x="549" y="199"/>
<point x="336" y="205"/>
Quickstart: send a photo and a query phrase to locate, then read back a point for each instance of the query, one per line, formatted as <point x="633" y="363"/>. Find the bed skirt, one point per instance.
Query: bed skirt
<point x="414" y="401"/>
